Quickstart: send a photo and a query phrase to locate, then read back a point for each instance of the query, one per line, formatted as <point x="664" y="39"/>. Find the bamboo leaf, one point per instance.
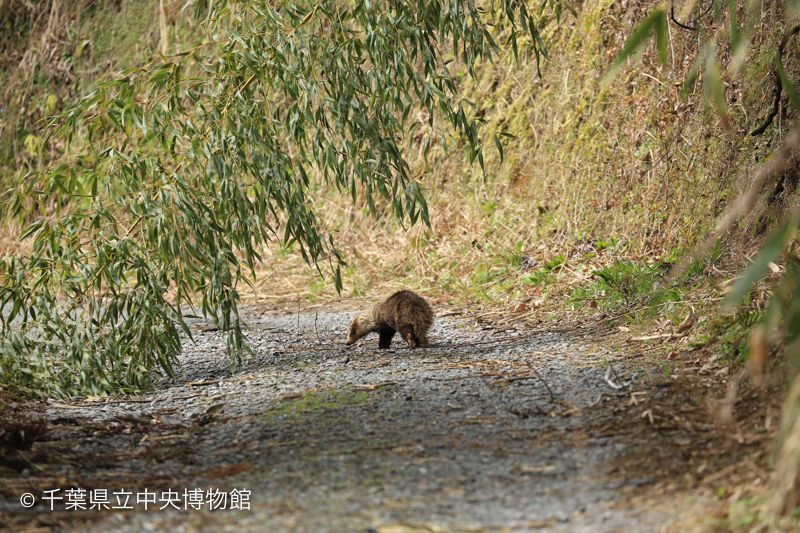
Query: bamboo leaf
<point x="499" y="147"/>
<point x="769" y="253"/>
<point x="656" y="21"/>
<point x="716" y="90"/>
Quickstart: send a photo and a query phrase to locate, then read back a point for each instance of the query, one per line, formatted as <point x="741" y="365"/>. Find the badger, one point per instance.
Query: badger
<point x="404" y="311"/>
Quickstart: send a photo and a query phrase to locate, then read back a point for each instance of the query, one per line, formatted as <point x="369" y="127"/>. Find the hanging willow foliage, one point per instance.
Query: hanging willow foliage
<point x="179" y="182"/>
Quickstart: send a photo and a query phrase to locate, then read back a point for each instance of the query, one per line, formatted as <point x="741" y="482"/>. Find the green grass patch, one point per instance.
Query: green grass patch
<point x="317" y="402"/>
<point x="623" y="284"/>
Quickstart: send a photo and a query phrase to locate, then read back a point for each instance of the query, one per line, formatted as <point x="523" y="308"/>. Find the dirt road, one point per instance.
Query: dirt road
<point x="487" y="430"/>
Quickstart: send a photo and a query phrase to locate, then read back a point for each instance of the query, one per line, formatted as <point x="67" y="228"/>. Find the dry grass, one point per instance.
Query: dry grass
<point x="632" y="162"/>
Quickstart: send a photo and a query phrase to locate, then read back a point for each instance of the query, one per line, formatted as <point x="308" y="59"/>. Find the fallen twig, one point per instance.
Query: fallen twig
<point x="375" y="386"/>
<point x="526" y="413"/>
<point x="515" y="378"/>
<point x="122" y="401"/>
<point x="316" y="316"/>
<point x="776" y="92"/>
<point x="654" y="337"/>
<point x="607" y="395"/>
<point x="162" y="437"/>
<point x="202" y="383"/>
<point x="292" y="396"/>
<point x="546" y="386"/>
<point x="64" y="406"/>
<point x="187" y="397"/>
<point x="470" y="376"/>
<point x="228" y="380"/>
<point x="607" y="378"/>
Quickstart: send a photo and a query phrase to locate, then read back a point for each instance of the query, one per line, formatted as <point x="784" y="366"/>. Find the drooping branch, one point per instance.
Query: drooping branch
<point x="684" y="26"/>
<point x="183" y="180"/>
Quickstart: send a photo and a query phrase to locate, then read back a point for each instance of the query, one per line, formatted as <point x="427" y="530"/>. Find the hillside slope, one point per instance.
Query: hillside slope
<point x="632" y="168"/>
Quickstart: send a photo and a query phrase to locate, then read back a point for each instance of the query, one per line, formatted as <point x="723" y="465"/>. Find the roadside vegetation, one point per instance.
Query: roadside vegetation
<point x="578" y="216"/>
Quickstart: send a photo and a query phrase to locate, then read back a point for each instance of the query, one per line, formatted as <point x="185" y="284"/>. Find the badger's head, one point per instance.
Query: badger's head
<point x="360" y="326"/>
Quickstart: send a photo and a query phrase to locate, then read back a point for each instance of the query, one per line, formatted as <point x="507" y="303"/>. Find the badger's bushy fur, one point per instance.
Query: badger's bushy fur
<point x="404" y="311"/>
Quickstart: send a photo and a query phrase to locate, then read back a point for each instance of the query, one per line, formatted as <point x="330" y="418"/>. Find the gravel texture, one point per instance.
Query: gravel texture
<point x="486" y="430"/>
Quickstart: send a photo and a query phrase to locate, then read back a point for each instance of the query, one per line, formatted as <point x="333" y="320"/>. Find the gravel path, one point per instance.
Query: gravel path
<point x="485" y="431"/>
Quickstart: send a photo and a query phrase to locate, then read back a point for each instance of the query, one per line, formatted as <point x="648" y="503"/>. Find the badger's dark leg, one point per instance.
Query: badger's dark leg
<point x="385" y="337"/>
<point x="420" y="337"/>
<point x="422" y="341"/>
<point x="407" y="332"/>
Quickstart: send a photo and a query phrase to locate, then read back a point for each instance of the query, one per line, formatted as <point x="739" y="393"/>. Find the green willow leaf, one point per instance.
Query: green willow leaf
<point x="769" y="253"/>
<point x="736" y="38"/>
<point x="709" y="50"/>
<point x="197" y="163"/>
<point x="499" y="147"/>
<point x="715" y="90"/>
<point x="656" y="22"/>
